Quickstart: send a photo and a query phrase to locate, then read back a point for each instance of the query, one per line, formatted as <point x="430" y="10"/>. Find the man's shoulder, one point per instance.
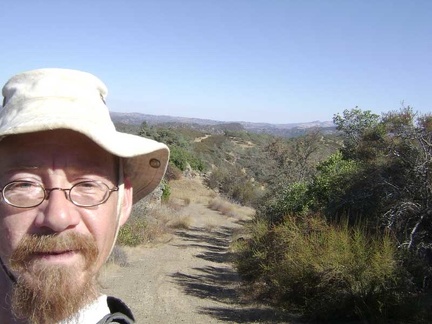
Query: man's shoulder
<point x="119" y="312"/>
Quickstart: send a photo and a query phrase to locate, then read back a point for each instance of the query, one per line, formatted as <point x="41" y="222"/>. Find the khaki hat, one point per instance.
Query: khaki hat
<point x="49" y="99"/>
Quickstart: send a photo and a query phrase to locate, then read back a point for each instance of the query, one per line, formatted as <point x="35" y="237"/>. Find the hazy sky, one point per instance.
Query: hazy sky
<point x="233" y="60"/>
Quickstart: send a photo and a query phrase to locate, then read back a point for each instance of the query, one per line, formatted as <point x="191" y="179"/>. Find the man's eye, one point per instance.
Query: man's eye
<point x="87" y="187"/>
<point x="23" y="185"/>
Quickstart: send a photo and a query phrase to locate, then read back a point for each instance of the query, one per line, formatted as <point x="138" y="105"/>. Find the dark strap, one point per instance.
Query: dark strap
<point x="120" y="313"/>
<point x="7" y="272"/>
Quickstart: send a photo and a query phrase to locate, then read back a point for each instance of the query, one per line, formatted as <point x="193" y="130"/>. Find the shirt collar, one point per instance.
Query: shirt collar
<point x="91" y="313"/>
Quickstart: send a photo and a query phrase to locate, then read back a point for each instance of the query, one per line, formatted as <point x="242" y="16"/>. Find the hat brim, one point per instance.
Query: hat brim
<point x="145" y="160"/>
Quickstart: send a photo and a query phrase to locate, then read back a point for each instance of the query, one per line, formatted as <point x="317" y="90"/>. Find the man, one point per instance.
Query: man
<point x="68" y="180"/>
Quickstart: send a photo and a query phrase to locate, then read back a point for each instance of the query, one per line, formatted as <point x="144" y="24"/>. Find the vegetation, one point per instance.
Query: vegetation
<point x="133" y="233"/>
<point x="118" y="256"/>
<point x="326" y="272"/>
<point x="343" y="226"/>
<point x="352" y="238"/>
<point x="181" y="154"/>
<point x="149" y="225"/>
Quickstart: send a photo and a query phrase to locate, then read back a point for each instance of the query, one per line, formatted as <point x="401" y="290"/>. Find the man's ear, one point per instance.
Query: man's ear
<point x="127" y="201"/>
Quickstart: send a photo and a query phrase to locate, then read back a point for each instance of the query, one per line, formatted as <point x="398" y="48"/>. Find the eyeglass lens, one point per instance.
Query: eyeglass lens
<point x="29" y="194"/>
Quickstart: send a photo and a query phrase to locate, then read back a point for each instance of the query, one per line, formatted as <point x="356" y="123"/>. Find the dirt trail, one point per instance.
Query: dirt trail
<point x="189" y="279"/>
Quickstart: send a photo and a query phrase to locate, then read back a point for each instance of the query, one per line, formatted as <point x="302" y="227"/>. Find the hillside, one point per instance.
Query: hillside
<point x="207" y="125"/>
<point x="228" y="151"/>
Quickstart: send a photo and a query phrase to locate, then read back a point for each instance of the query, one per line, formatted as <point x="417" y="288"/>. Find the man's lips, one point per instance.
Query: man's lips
<point x="37" y="251"/>
<point x="52" y="252"/>
<point x="54" y="255"/>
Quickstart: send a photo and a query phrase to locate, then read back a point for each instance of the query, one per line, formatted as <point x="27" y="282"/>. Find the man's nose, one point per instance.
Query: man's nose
<point x="57" y="212"/>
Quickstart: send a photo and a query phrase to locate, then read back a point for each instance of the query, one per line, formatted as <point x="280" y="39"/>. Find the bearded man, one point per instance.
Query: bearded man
<point x="68" y="181"/>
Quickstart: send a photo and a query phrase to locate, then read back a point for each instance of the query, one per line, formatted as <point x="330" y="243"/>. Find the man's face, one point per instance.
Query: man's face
<point x="57" y="159"/>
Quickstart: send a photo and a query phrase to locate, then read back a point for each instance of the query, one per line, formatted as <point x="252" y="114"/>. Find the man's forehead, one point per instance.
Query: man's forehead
<point x="56" y="150"/>
<point x="74" y="162"/>
<point x="51" y="137"/>
<point x="51" y="142"/>
<point x="54" y="157"/>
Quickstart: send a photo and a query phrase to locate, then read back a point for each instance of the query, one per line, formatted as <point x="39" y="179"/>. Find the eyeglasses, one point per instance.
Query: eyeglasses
<point x="28" y="194"/>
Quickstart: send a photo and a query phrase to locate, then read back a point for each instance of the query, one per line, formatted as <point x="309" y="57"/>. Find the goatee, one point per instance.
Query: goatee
<point x="46" y="293"/>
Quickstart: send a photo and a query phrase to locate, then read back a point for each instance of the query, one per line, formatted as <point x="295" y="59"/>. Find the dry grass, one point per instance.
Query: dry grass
<point x="150" y="225"/>
<point x="178" y="203"/>
<point x="169" y="216"/>
<point x="180" y="222"/>
<point x="189" y="191"/>
<point x="230" y="209"/>
<point x="118" y="256"/>
<point x="222" y="206"/>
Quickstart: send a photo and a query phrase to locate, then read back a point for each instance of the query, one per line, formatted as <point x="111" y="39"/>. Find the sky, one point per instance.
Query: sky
<point x="269" y="61"/>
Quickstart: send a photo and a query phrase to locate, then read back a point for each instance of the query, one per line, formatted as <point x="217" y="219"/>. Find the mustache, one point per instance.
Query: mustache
<point x="33" y="244"/>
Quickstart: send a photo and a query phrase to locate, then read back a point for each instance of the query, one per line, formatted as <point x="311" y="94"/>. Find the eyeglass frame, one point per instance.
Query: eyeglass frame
<point x="47" y="193"/>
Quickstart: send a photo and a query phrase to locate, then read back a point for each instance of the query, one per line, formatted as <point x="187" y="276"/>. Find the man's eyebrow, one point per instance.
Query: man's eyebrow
<point x="16" y="167"/>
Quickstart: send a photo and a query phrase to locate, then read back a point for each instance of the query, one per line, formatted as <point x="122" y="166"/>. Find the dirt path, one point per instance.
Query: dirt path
<point x="189" y="279"/>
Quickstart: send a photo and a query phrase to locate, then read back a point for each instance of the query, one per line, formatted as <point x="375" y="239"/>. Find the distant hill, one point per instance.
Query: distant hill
<point x="285" y="130"/>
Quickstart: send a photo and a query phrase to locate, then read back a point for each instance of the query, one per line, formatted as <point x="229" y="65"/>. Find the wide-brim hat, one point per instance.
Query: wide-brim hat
<point x="49" y="99"/>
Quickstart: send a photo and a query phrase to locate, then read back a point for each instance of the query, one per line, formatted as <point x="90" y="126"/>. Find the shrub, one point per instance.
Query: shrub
<point x="222" y="206"/>
<point x="232" y="182"/>
<point x="133" y="232"/>
<point x="151" y="225"/>
<point x="118" y="256"/>
<point x="293" y="200"/>
<point x="180" y="222"/>
<point x="172" y="173"/>
<point x="181" y="158"/>
<point x="326" y="271"/>
<point x="332" y="185"/>
<point x="253" y="254"/>
<point x="166" y="191"/>
<point x="187" y="201"/>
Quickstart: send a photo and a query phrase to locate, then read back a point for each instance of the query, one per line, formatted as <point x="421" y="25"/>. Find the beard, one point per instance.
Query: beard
<point x="45" y="293"/>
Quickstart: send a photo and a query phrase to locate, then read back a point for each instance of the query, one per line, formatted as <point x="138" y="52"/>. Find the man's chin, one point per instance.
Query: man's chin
<point x="52" y="292"/>
<point x="55" y="276"/>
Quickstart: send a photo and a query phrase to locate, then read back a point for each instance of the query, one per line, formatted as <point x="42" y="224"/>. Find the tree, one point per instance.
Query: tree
<point x="354" y="124"/>
<point x="410" y="157"/>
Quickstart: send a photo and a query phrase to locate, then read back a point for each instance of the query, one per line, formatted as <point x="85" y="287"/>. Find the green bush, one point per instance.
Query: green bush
<point x="325" y="271"/>
<point x="181" y="158"/>
<point x="293" y="200"/>
<point x="166" y="191"/>
<point x="132" y="233"/>
<point x="252" y="254"/>
<point x="233" y="183"/>
<point x="331" y="185"/>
